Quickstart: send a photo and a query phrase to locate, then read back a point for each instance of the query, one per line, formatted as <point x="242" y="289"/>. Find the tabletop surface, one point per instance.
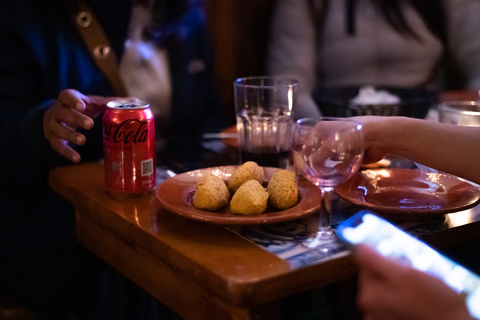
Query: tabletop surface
<point x="228" y="265"/>
<point x="240" y="265"/>
<point x="217" y="258"/>
<point x="211" y="271"/>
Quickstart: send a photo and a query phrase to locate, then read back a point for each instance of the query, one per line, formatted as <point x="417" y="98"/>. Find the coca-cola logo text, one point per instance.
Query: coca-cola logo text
<point x="131" y="130"/>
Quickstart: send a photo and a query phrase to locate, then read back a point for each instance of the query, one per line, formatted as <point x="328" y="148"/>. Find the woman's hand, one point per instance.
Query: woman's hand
<point x="333" y="146"/>
<point x="389" y="290"/>
<point x="373" y="128"/>
<point x="70" y="111"/>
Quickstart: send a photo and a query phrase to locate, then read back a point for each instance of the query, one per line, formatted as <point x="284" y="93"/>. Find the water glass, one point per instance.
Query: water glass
<point x="461" y="113"/>
<point x="264" y="107"/>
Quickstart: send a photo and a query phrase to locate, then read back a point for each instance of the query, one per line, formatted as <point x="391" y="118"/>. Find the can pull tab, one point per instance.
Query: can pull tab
<point x="128" y="106"/>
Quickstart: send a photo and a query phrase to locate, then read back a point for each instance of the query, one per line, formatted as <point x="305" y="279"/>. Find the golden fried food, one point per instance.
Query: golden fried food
<point x="211" y="193"/>
<point x="282" y="189"/>
<point x="250" y="198"/>
<point x="248" y="171"/>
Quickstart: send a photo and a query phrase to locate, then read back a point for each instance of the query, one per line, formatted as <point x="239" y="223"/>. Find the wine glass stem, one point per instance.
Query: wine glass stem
<point x="325" y="213"/>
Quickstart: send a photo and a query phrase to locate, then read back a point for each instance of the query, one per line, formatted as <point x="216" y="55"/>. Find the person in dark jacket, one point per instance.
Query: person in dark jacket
<point x="45" y="59"/>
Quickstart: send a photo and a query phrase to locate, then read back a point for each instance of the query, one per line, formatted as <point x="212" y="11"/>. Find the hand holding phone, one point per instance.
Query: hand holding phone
<point x="379" y="234"/>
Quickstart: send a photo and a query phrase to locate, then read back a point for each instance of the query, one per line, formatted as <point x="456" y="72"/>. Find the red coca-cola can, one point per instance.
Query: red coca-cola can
<point x="129" y="147"/>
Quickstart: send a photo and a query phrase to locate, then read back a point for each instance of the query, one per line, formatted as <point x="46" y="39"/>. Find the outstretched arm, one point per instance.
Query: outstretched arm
<point x="448" y="148"/>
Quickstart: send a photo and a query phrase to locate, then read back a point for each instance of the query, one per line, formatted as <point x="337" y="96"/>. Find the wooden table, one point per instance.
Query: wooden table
<point x="201" y="271"/>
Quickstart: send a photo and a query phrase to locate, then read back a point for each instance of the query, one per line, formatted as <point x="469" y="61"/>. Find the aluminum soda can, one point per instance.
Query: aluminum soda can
<point x="129" y="147"/>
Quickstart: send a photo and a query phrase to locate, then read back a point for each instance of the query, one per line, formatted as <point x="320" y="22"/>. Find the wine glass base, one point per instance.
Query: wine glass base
<point x="325" y="241"/>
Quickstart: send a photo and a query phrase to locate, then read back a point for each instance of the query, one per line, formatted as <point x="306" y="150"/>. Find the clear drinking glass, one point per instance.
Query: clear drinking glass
<point x="326" y="151"/>
<point x="460" y="113"/>
<point x="263" y="108"/>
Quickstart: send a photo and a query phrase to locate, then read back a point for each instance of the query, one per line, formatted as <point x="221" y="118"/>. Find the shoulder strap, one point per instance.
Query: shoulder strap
<point x="98" y="44"/>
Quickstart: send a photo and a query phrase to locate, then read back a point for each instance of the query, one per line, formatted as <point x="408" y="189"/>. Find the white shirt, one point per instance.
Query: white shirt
<point x="376" y="55"/>
<point x="144" y="68"/>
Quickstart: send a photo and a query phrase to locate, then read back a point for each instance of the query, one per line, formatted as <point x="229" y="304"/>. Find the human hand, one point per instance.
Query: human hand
<point x="373" y="127"/>
<point x="333" y="146"/>
<point x="389" y="290"/>
<point x="70" y="111"/>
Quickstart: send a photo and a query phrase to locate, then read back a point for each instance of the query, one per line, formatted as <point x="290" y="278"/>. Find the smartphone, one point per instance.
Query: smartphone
<point x="367" y="228"/>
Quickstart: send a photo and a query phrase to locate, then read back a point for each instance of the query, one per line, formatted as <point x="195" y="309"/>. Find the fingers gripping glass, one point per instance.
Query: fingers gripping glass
<point x="327" y="151"/>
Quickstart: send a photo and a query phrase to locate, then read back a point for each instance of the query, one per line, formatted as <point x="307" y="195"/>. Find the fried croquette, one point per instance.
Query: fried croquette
<point x="250" y="198"/>
<point x="248" y="171"/>
<point x="211" y="193"/>
<point x="282" y="190"/>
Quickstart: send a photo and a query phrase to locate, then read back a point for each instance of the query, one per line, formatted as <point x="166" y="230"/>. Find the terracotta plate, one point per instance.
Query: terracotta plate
<point x="176" y="193"/>
<point x="408" y="194"/>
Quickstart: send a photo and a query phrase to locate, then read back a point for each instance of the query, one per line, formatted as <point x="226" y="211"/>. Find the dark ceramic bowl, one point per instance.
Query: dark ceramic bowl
<point x="336" y="102"/>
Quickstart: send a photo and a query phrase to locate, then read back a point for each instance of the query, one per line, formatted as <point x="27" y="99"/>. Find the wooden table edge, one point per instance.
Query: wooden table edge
<point x="237" y="293"/>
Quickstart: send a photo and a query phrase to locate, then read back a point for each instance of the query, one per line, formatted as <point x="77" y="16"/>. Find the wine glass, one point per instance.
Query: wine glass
<point x="327" y="151"/>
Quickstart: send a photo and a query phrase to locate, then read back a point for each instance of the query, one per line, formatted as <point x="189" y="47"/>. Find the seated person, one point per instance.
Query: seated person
<point x="380" y="43"/>
<point x="52" y="96"/>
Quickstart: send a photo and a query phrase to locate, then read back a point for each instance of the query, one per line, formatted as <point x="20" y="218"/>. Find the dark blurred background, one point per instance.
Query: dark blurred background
<point x="239" y="31"/>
